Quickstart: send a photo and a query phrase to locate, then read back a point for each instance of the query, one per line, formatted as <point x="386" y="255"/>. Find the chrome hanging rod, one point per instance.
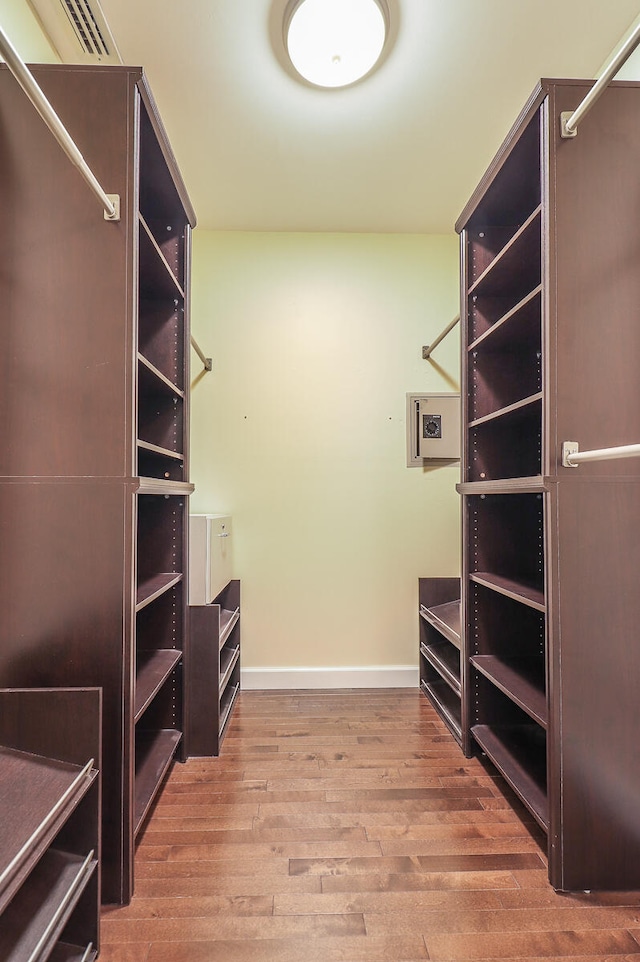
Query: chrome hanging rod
<point x="426" y="351"/>
<point x="110" y="202"/>
<point x="572" y="456"/>
<point x="207" y="361"/>
<point x="569" y="120"/>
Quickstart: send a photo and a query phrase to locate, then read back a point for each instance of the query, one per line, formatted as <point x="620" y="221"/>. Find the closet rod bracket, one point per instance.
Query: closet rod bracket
<point x="569" y="448"/>
<point x="566" y="131"/>
<point x="569" y="120"/>
<point x="428" y="349"/>
<point x="572" y="456"/>
<point x="115" y="203"/>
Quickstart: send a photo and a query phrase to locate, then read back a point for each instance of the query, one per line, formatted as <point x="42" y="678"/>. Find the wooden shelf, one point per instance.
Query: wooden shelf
<point x="155" y="380"/>
<point x="514" y="411"/>
<point x="154" y="667"/>
<point x="445" y="703"/>
<point x="228" y="660"/>
<point x="519" y="754"/>
<point x="445" y="658"/>
<point x="228" y="621"/>
<point x="163" y="487"/>
<point x="519" y="325"/>
<point x="533" y="485"/>
<point x="40" y="910"/>
<point x="157" y="449"/>
<point x="154" y="753"/>
<point x="156" y="276"/>
<point x="525" y="594"/>
<point x="506" y="444"/>
<point x="64" y="952"/>
<point x="154" y="587"/>
<point x="49" y="828"/>
<point x="38" y="794"/>
<point x="446" y="618"/>
<point x="521" y="679"/>
<point x="226" y="706"/>
<point x="519" y="262"/>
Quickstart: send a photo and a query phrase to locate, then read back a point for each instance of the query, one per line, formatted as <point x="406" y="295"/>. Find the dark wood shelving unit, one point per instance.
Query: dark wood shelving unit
<point x="155" y="750"/>
<point x="516" y="267"/>
<point x="445" y="658"/>
<point x="519" y="752"/>
<point x="153" y="588"/>
<point x="153" y="669"/>
<point x="439" y="649"/>
<point x="95" y="463"/>
<point x="49" y="831"/>
<point x="514" y="412"/>
<point x="548" y="672"/>
<point x="444" y="699"/>
<point x="521" y="679"/>
<point x="495" y="333"/>
<point x="525" y="594"/>
<point x="446" y="618"/>
<point x="214" y="679"/>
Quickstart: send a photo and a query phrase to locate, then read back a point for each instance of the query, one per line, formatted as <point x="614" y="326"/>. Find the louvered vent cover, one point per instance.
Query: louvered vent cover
<point x="86" y="27"/>
<point x="77" y="30"/>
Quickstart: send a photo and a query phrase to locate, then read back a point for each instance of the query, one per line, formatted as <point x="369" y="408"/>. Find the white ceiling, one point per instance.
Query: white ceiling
<point x="399" y="152"/>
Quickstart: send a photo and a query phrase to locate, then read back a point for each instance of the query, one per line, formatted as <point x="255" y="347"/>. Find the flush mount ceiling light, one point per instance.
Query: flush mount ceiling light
<point x="333" y="43"/>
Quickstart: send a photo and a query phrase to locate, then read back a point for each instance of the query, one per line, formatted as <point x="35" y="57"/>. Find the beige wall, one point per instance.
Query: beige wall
<point x="299" y="433"/>
<point x="24" y="32"/>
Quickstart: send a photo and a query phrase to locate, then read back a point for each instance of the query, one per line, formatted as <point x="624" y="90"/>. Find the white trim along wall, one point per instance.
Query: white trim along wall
<point x="384" y="676"/>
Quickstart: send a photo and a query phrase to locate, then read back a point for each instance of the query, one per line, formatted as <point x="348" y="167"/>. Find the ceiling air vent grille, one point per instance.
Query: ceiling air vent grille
<point x="86" y="27"/>
<point x="77" y="30"/>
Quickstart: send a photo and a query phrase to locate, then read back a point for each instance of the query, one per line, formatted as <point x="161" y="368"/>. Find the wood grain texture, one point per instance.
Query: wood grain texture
<point x="241" y="861"/>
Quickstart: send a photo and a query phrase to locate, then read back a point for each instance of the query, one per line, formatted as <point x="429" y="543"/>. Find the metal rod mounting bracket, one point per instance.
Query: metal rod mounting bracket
<point x="569" y="448"/>
<point x="115" y="203"/>
<point x="565" y="130"/>
<point x="428" y="349"/>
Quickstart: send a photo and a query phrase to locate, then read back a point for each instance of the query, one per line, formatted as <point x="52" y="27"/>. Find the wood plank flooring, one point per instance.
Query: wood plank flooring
<point x="348" y="827"/>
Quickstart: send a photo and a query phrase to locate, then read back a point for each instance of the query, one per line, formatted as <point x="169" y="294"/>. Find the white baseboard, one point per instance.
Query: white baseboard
<point x="374" y="676"/>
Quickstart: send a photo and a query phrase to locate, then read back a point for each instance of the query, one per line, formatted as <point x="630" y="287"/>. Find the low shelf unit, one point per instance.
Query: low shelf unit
<point x="441" y="664"/>
<point x="214" y="677"/>
<point x="50" y="826"/>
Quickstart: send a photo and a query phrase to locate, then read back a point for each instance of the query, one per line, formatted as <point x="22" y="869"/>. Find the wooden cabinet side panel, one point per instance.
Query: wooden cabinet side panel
<point x="596" y="391"/>
<point x="57" y="723"/>
<point x="597" y="684"/>
<point x="203" y="680"/>
<point x="65" y="570"/>
<point x="66" y="280"/>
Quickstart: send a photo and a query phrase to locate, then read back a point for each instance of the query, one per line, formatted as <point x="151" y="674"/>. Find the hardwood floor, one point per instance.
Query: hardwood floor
<point x="349" y="826"/>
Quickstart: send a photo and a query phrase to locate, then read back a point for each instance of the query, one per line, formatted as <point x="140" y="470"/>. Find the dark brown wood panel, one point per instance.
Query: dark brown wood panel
<point x="596" y="245"/>
<point x="214" y="672"/>
<point x="67" y="608"/>
<point x="596" y="677"/>
<point x="66" y="280"/>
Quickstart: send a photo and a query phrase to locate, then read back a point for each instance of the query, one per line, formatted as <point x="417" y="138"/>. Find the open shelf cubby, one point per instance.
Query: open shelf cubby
<point x="214" y="683"/>
<point x="439" y="648"/>
<point x="49" y="830"/>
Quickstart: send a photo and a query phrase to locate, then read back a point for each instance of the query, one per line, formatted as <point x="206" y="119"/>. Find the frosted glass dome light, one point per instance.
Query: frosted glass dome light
<point x="333" y="43"/>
